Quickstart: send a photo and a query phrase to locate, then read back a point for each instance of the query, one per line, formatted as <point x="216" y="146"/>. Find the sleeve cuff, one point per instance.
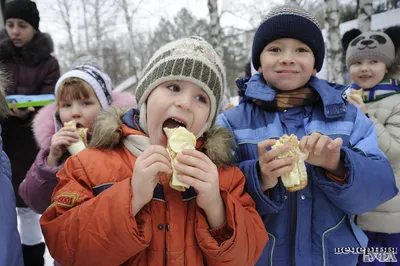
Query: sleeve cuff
<point x="42" y="163"/>
<point x="336" y="179"/>
<point x="222" y="233"/>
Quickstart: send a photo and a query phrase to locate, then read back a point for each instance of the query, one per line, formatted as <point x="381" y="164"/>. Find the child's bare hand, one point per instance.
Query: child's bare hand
<point x="199" y="172"/>
<point x="270" y="167"/>
<point x="64" y="137"/>
<point x="148" y="167"/>
<point x="357" y="101"/>
<point x="323" y="151"/>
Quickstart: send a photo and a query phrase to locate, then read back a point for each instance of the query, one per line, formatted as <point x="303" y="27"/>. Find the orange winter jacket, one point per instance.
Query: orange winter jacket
<point x="90" y="221"/>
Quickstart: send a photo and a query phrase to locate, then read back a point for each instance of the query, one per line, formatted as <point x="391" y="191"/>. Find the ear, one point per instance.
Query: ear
<point x="394" y="34"/>
<point x="314" y="72"/>
<point x="260" y="69"/>
<point x="348" y="37"/>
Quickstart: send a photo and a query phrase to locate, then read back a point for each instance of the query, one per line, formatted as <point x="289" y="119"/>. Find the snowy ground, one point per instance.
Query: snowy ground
<point x="32" y="225"/>
<point x="48" y="259"/>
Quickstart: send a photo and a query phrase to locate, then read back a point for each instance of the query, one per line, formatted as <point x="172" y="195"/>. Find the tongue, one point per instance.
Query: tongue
<point x="170" y="123"/>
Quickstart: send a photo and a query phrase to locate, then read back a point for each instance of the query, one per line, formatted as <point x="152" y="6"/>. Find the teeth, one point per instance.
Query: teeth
<point x="180" y="122"/>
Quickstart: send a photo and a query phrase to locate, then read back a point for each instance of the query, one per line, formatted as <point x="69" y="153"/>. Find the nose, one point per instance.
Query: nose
<point x="184" y="100"/>
<point x="15" y="31"/>
<point x="76" y="111"/>
<point x="364" y="67"/>
<point x="367" y="42"/>
<point x="287" y="58"/>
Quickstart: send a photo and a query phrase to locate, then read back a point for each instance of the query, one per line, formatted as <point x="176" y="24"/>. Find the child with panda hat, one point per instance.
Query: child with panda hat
<point x="373" y="60"/>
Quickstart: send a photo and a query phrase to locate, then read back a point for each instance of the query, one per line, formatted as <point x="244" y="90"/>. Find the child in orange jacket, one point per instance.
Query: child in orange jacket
<point x="114" y="204"/>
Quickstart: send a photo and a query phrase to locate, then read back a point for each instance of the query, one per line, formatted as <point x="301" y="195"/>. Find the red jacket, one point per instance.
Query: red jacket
<point x="90" y="221"/>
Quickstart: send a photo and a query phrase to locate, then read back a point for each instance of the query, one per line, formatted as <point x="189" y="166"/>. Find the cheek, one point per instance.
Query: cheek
<point x="381" y="73"/>
<point x="95" y="113"/>
<point x="150" y="118"/>
<point x="8" y="31"/>
<point x="353" y="74"/>
<point x="64" y="115"/>
<point x="29" y="33"/>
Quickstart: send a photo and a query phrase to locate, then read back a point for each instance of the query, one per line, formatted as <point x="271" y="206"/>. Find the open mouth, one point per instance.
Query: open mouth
<point x="79" y="125"/>
<point x="174" y="123"/>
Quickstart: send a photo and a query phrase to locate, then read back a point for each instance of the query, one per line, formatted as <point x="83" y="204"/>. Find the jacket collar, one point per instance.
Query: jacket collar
<point x="331" y="94"/>
<point x="131" y="119"/>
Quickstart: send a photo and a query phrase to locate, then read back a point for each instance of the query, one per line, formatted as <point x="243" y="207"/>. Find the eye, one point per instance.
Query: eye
<point x="65" y="105"/>
<point x="173" y="87"/>
<point x="302" y="50"/>
<point x="274" y="49"/>
<point x="201" y="98"/>
<point x="374" y="61"/>
<point x="87" y="102"/>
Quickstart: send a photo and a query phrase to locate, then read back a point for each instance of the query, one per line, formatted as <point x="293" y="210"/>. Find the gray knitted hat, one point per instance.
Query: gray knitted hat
<point x="190" y="59"/>
<point x="371" y="45"/>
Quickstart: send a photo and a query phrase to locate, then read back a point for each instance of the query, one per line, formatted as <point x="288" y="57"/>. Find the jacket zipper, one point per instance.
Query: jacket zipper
<point x="293" y="222"/>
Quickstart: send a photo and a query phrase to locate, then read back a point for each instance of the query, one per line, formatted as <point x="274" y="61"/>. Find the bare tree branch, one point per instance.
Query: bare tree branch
<point x="64" y="10"/>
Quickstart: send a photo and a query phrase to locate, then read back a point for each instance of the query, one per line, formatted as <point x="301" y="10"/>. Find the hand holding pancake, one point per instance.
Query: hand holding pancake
<point x="296" y="179"/>
<point x="65" y="137"/>
<point x="81" y="144"/>
<point x="192" y="168"/>
<point x="270" y="165"/>
<point x="356" y="97"/>
<point x="148" y="167"/>
<point x="323" y="152"/>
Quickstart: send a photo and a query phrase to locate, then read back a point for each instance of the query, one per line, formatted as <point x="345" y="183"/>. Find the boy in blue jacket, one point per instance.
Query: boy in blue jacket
<point x="10" y="243"/>
<point x="347" y="172"/>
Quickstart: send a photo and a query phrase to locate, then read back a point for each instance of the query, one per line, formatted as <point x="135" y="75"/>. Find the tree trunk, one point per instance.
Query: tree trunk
<point x="128" y="20"/>
<point x="65" y="7"/>
<point x="98" y="31"/>
<point x="85" y="24"/>
<point x="334" y="49"/>
<point x="216" y="32"/>
<point x="1" y="14"/>
<point x="364" y="15"/>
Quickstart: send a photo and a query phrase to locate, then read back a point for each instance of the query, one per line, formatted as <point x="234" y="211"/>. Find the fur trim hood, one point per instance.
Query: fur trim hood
<point x="34" y="52"/>
<point x="218" y="141"/>
<point x="43" y="125"/>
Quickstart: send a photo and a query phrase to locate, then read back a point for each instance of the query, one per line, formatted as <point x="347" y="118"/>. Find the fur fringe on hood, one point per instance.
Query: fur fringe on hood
<point x="43" y="125"/>
<point x="34" y="52"/>
<point x="4" y="110"/>
<point x="218" y="141"/>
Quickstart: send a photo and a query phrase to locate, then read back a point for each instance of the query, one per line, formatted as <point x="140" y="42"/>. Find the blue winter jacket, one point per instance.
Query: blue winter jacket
<point x="306" y="226"/>
<point x="10" y="243"/>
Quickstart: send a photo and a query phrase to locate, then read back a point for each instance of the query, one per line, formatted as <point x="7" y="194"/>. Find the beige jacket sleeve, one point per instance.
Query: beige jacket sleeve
<point x="386" y="118"/>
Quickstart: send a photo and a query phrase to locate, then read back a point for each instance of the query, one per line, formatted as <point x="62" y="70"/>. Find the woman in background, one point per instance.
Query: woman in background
<point x="25" y="55"/>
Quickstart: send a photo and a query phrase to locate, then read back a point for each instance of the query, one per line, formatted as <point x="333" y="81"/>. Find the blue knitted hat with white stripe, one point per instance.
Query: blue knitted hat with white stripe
<point x="289" y="21"/>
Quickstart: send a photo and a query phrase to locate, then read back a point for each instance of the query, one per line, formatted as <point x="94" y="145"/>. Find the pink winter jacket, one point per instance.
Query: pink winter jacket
<point x="40" y="181"/>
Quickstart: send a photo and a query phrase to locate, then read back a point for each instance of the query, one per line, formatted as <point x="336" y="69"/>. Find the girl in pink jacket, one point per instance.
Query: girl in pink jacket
<point x="81" y="94"/>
